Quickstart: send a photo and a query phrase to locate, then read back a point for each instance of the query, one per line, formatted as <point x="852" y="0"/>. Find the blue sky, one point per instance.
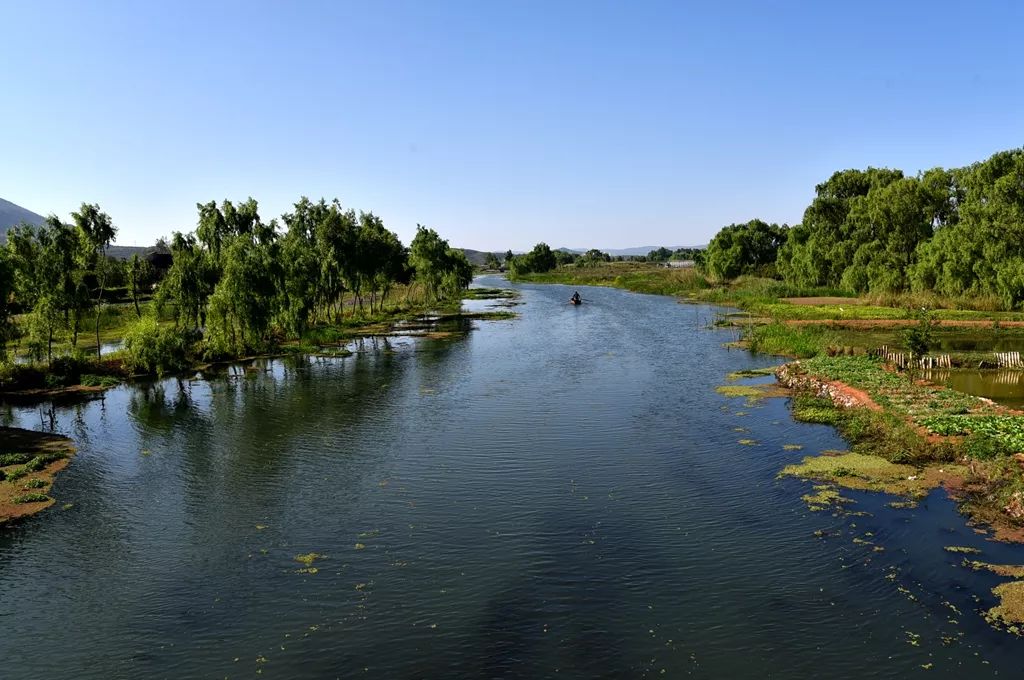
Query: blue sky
<point x="498" y="124"/>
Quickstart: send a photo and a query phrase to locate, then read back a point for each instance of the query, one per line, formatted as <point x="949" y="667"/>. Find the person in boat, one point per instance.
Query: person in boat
<point x="575" y="299"/>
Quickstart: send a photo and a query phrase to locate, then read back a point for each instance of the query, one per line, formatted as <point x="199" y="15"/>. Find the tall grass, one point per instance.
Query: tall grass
<point x="796" y="341"/>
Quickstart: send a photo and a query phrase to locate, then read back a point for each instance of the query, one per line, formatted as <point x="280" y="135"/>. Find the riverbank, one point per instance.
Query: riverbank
<point x="907" y="436"/>
<point x="81" y="376"/>
<point x="29" y="463"/>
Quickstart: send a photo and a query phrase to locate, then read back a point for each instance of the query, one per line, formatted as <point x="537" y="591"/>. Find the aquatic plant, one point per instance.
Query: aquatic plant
<point x="1011" y="570"/>
<point x="1010" y="610"/>
<point x="308" y="558"/>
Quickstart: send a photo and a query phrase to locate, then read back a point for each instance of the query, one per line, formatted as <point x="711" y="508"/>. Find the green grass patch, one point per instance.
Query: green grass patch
<point x="32" y="498"/>
<point x="91" y="380"/>
<point x="14" y="459"/>
<point x="795" y="341"/>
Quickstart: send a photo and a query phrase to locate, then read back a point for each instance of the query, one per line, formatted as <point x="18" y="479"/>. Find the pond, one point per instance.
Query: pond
<point x="563" y="495"/>
<point x="1005" y="386"/>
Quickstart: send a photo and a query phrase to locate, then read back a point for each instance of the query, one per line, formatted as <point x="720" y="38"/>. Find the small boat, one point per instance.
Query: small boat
<point x="574" y="301"/>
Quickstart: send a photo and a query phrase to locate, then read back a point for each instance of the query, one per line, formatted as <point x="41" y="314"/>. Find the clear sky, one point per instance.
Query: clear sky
<point x="499" y="124"/>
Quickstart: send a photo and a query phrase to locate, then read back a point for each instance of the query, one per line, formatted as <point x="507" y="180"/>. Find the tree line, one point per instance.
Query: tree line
<point x="542" y="258"/>
<point x="955" y="232"/>
<point x="236" y="284"/>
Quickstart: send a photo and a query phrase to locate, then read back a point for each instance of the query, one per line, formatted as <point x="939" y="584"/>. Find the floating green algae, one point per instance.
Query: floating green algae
<point x="752" y="393"/>
<point x="1009" y="613"/>
<point x="308" y="558"/>
<point x="871" y="473"/>
<point x="1011" y="570"/>
<point x="751" y="373"/>
<point x="824" y="497"/>
<point x="962" y="549"/>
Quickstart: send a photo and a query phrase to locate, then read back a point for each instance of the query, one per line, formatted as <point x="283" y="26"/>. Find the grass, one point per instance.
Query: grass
<point x="32" y="498"/>
<point x="794" y="341"/>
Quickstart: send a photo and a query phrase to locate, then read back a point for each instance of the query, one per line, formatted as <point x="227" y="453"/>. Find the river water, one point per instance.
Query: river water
<point x="559" y="495"/>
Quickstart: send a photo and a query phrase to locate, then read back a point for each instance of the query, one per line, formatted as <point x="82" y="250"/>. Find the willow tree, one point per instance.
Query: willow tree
<point x="444" y="271"/>
<point x="97" y="231"/>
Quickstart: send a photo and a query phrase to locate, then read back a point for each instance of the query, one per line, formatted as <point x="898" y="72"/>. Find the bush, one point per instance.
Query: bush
<point x="155" y="349"/>
<point x="32" y="498"/>
<point x="92" y="380"/>
<point x="36" y="484"/>
<point x="14" y="459"/>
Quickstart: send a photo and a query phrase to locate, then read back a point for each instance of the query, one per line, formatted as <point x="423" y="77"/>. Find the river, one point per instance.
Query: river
<point x="559" y="495"/>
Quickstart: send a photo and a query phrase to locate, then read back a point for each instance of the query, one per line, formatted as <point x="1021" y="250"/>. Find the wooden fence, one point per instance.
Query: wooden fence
<point x="1009" y="360"/>
<point x="903" y="360"/>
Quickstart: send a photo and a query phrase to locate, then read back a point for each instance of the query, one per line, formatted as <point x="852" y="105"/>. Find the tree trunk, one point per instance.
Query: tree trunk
<point x="99" y="299"/>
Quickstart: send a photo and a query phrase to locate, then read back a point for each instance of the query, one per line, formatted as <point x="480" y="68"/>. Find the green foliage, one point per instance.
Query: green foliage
<point x="782" y="339"/>
<point x="14" y="459"/>
<point x="154" y="349"/>
<point x="811" y="409"/>
<point x="444" y="271"/>
<point x="32" y="498"/>
<point x="749" y="248"/>
<point x="919" y="339"/>
<point x="92" y="380"/>
<point x="540" y="259"/>
<point x="36" y="484"/>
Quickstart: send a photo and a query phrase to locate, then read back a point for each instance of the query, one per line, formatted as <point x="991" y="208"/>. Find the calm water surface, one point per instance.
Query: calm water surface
<point x="561" y="495"/>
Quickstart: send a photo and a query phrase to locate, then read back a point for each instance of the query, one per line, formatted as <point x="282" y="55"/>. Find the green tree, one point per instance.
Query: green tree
<point x="749" y="248"/>
<point x="442" y="270"/>
<point x="97" y="231"/>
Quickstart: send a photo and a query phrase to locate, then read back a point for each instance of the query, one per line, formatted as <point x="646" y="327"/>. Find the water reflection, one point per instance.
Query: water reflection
<point x="1005" y="386"/>
<point x="560" y="495"/>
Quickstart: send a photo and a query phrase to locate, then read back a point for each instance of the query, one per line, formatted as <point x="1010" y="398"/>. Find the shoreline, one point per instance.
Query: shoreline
<point x="34" y="459"/>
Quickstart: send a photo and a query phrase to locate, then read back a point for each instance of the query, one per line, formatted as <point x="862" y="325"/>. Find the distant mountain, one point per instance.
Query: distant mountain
<point x="477" y="257"/>
<point x="11" y="215"/>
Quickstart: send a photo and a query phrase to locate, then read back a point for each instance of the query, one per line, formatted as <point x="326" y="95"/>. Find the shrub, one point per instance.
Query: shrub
<point x="152" y="348"/>
<point x="32" y="498"/>
<point x="14" y="459"/>
<point x="36" y="484"/>
<point x="91" y="380"/>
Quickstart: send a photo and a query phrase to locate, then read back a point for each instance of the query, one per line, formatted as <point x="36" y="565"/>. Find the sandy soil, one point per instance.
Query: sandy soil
<point x="14" y="440"/>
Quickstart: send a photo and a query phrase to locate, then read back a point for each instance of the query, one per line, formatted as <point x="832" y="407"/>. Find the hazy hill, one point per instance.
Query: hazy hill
<point x="12" y="214"/>
<point x="637" y="250"/>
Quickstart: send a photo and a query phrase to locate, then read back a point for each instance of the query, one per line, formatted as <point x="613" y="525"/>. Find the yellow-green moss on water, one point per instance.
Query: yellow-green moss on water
<point x="751" y="373"/>
<point x="308" y="558"/>
<point x="752" y="393"/>
<point x="824" y="497"/>
<point x="1011" y="570"/>
<point x="871" y="473"/>
<point x="961" y="549"/>
<point x="1010" y="610"/>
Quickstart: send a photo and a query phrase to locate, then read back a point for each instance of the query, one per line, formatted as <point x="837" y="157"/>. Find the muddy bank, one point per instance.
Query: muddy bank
<point x="29" y="462"/>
